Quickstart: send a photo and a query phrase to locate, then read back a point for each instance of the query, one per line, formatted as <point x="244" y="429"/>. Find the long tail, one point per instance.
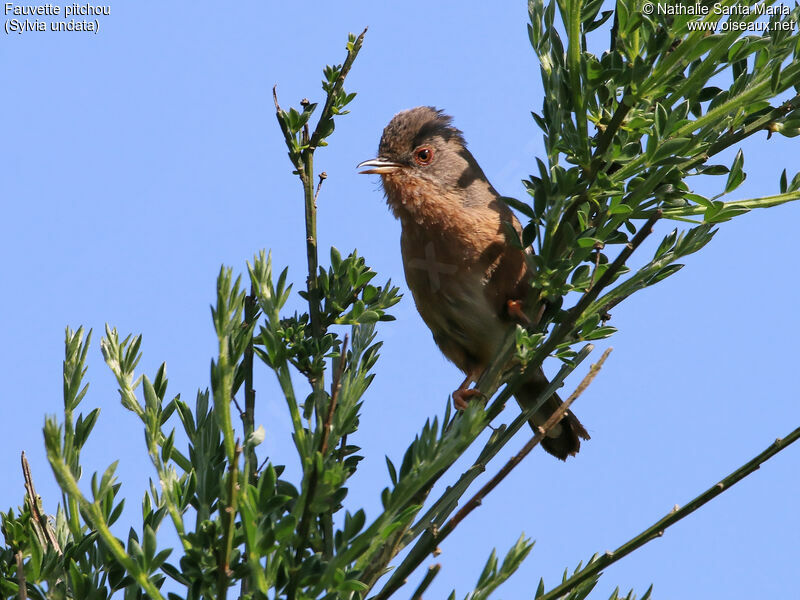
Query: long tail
<point x="564" y="439"/>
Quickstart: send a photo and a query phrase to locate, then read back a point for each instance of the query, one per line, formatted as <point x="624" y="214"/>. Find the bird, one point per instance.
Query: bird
<point x="467" y="281"/>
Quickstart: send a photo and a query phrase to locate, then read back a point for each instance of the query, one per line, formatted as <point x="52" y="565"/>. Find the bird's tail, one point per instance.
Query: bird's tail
<point x="564" y="439"/>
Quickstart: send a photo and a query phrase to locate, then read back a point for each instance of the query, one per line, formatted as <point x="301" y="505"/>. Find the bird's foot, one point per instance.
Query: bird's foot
<point x="514" y="308"/>
<point x="462" y="397"/>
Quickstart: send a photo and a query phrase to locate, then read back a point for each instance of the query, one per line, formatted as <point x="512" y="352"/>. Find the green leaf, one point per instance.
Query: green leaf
<point x="713" y="170"/>
<point x="668" y="149"/>
<point x="525" y="209"/>
<point x="663" y="273"/>
<point x="666" y="244"/>
<point x="368" y="316"/>
<point x="284" y="529"/>
<point x="600" y="333"/>
<point x="737" y="175"/>
<point x="587" y="242"/>
<point x="392" y="471"/>
<point x="621" y="209"/>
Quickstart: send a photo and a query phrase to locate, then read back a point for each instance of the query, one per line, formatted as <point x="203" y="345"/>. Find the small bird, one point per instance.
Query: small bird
<point x="468" y="283"/>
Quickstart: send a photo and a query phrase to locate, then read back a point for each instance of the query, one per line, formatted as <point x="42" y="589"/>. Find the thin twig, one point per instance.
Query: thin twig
<point x="431" y="538"/>
<point x="607" y="136"/>
<point x="23" y="586"/>
<point x="657" y="529"/>
<point x="551" y="422"/>
<point x="614" y="268"/>
<point x="326" y="110"/>
<point x="251" y="313"/>
<point x="275" y="97"/>
<point x="305" y="520"/>
<point x="494" y="374"/>
<point x="446" y="502"/>
<point x="335" y="387"/>
<point x="304" y="163"/>
<point x="238" y="407"/>
<point x="262" y="465"/>
<point x="40" y="524"/>
<point x="228" y="513"/>
<point x="598" y="247"/>
<point x="326" y="519"/>
<point x="433" y="571"/>
<point x="322" y="177"/>
<point x="564" y="329"/>
<point x="248" y="416"/>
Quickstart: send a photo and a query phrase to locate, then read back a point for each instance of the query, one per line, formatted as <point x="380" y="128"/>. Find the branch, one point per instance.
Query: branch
<point x="93" y="515"/>
<point x="21" y="585"/>
<point x="313" y="478"/>
<point x="432" y="538"/>
<point x="322" y="177"/>
<point x="609" y="274"/>
<point x="763" y="202"/>
<point x="311" y="253"/>
<point x="39" y="521"/>
<point x="564" y="329"/>
<point x="335" y="387"/>
<point x="447" y="501"/>
<point x="433" y="571"/>
<point x="307" y="175"/>
<point x="291" y="143"/>
<point x="305" y="518"/>
<point x="572" y="21"/>
<point x="607" y="136"/>
<point x="352" y="52"/>
<point x="554" y="419"/>
<point x="228" y="514"/>
<point x="491" y="379"/>
<point x="248" y="417"/>
<point x="657" y="529"/>
<point x="729" y="139"/>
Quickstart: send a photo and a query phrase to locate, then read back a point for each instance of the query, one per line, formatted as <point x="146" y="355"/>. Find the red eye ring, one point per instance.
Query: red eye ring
<point x="423" y="155"/>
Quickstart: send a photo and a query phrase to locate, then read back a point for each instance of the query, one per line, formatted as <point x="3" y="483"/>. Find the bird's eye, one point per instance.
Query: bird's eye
<point x="423" y="156"/>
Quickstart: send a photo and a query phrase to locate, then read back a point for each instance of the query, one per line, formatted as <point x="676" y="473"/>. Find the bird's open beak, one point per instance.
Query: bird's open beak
<point x="379" y="166"/>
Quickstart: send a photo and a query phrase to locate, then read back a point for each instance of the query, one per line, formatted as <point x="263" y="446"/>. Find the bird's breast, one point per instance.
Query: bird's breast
<point x="449" y="284"/>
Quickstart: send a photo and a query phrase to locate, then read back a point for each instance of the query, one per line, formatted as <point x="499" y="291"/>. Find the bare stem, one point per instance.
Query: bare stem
<point x="23" y="586"/>
<point x="39" y="521"/>
<point x="248" y="418"/>
<point x="433" y="571"/>
<point x="228" y="514"/>
<point x="441" y="508"/>
<point x="551" y="422"/>
<point x="335" y="387"/>
<point x="431" y="538"/>
<point x="564" y="329"/>
<point x="657" y="529"/>
<point x="322" y="177"/>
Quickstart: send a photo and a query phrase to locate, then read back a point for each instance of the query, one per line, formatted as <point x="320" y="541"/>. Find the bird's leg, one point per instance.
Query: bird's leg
<point x="463" y="394"/>
<point x="514" y="308"/>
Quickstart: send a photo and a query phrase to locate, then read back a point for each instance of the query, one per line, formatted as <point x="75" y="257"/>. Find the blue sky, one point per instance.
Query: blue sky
<point x="138" y="160"/>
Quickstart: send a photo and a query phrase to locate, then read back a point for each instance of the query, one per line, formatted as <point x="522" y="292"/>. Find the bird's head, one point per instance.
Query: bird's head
<point x="421" y="154"/>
